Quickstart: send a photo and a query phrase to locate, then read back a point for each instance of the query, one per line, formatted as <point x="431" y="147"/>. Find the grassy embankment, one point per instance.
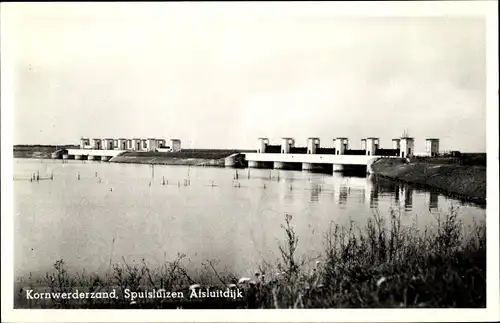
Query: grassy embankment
<point x="381" y="264"/>
<point x="193" y="157"/>
<point x="463" y="177"/>
<point x="38" y="151"/>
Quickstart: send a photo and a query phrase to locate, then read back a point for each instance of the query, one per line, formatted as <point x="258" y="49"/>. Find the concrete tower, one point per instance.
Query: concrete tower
<point x="122" y="144"/>
<point x="175" y="145"/>
<point x="363" y="144"/>
<point x="107" y="143"/>
<point x="263" y="142"/>
<point x="84" y="143"/>
<point x="286" y="144"/>
<point x="136" y="144"/>
<point x="406" y="147"/>
<point x="341" y="145"/>
<point x="161" y="143"/>
<point x="372" y="145"/>
<point x="151" y="144"/>
<point x="432" y="146"/>
<point x="312" y="145"/>
<point x="396" y="143"/>
<point x="96" y="143"/>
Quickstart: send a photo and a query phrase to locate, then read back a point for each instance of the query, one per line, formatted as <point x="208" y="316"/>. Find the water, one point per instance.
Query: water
<point x="93" y="211"/>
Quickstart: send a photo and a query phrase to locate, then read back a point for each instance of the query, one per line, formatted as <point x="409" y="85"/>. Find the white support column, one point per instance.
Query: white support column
<point x="338" y="167"/>
<point x="307" y="167"/>
<point x="254" y="164"/>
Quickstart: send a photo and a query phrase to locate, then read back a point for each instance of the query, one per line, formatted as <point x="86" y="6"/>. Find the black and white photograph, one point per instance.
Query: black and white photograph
<point x="198" y="159"/>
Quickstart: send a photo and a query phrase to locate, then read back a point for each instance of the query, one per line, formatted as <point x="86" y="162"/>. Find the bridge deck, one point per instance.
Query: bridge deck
<point x="312" y="158"/>
<point x="95" y="152"/>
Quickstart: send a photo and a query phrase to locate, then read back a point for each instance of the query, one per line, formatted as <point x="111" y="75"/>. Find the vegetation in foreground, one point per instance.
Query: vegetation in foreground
<point x="380" y="265"/>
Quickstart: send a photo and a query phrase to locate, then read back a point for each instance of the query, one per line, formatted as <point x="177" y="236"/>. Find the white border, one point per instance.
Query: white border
<point x="445" y="8"/>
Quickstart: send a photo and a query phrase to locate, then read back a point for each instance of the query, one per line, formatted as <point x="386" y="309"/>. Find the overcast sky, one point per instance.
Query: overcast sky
<point x="221" y="81"/>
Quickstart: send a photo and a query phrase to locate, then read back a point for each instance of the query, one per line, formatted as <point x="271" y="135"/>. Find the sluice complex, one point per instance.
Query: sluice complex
<point x="287" y="155"/>
<point x="339" y="157"/>
<point x="107" y="148"/>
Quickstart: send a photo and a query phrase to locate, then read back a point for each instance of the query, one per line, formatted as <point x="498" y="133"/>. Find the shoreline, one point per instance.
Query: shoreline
<point x="370" y="270"/>
<point x="187" y="157"/>
<point x="201" y="162"/>
<point x="467" y="183"/>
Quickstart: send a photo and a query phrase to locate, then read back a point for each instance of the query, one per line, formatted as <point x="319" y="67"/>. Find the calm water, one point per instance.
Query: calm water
<point x="237" y="224"/>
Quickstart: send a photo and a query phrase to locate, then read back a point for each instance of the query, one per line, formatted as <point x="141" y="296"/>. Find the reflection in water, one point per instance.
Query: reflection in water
<point x="433" y="200"/>
<point x="315" y="193"/>
<point x="362" y="196"/>
<point x="343" y="194"/>
<point x="401" y="194"/>
<point x="201" y="220"/>
<point x="407" y="193"/>
<point x="396" y="193"/>
<point x="374" y="197"/>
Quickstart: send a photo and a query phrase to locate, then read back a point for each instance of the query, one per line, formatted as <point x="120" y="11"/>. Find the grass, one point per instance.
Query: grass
<point x="37" y="151"/>
<point x="209" y="154"/>
<point x="465" y="159"/>
<point x="464" y="181"/>
<point x="381" y="264"/>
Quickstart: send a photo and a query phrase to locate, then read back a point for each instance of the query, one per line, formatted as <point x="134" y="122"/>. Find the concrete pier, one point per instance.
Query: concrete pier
<point x="93" y="154"/>
<point x="282" y="165"/>
<point x="229" y="162"/>
<point x="254" y="164"/>
<point x="307" y="167"/>
<point x="304" y="161"/>
<point x="234" y="160"/>
<point x="369" y="169"/>
<point x="338" y="167"/>
<point x="57" y="155"/>
<point x="313" y="167"/>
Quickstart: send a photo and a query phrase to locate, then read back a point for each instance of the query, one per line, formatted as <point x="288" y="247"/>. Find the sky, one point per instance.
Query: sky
<point x="219" y="80"/>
